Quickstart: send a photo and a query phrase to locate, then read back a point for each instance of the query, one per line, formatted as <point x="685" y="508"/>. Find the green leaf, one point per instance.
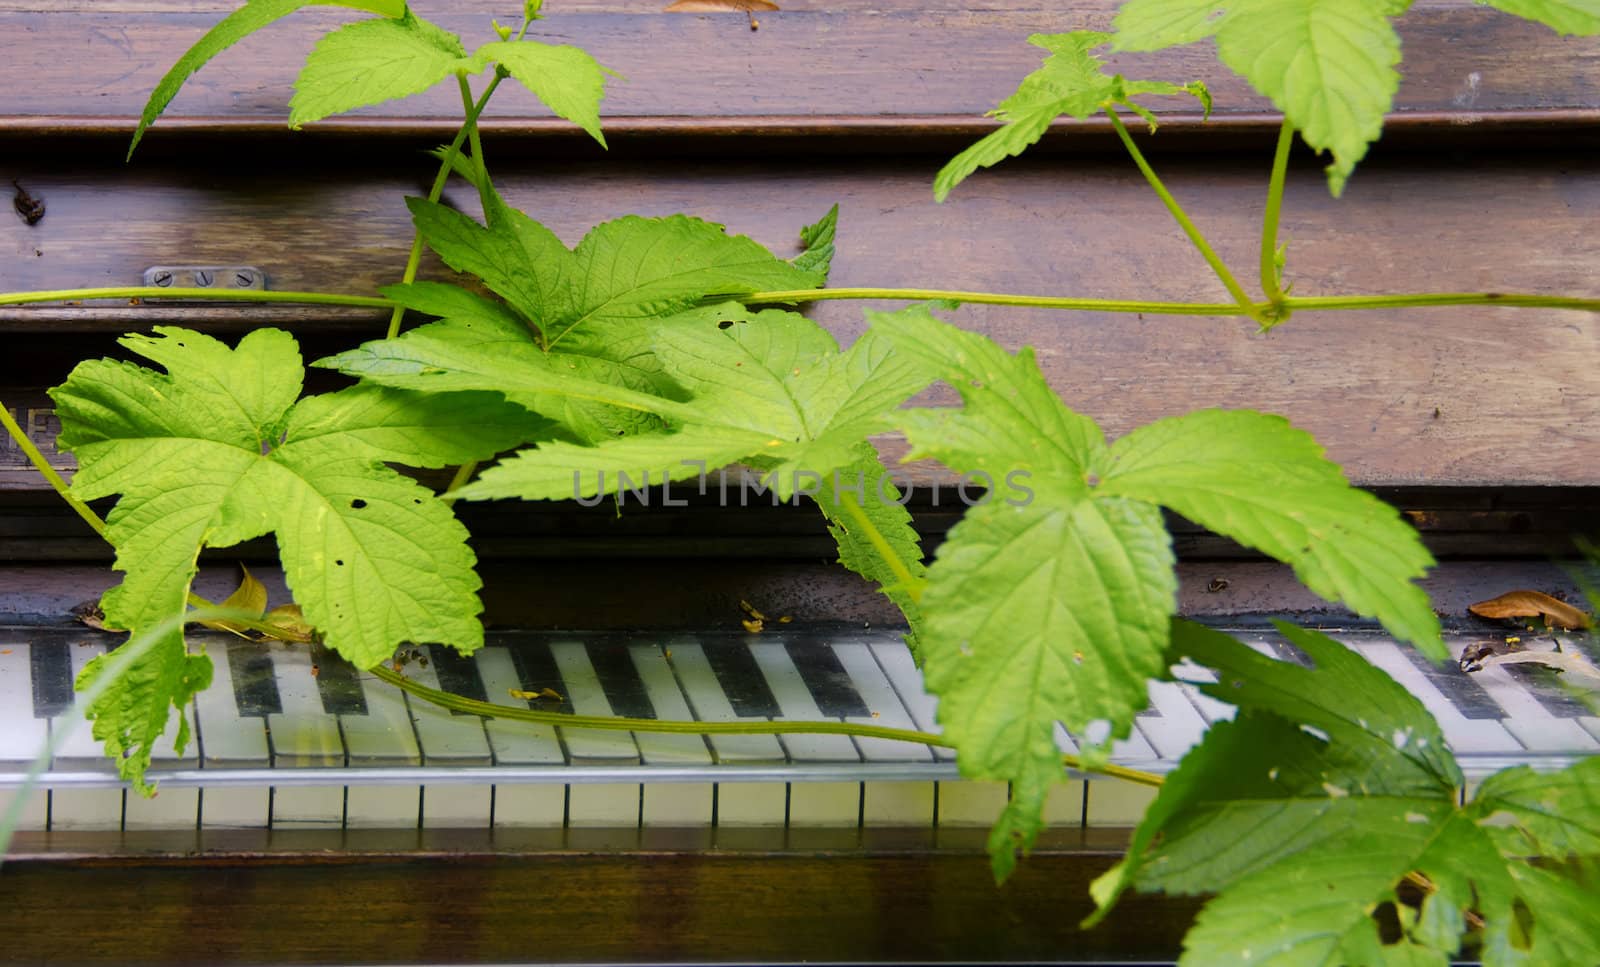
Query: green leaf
<point x="235" y="27"/>
<point x="374" y="61"/>
<point x="1563" y="16"/>
<point x="215" y="452"/>
<point x="1255" y="478"/>
<point x="816" y="242"/>
<point x="1556" y="814"/>
<point x="1157" y="24"/>
<point x="1071" y="81"/>
<point x="565" y="78"/>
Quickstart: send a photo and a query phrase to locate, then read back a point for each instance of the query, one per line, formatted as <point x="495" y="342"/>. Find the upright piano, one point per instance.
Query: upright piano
<point x="321" y="816"/>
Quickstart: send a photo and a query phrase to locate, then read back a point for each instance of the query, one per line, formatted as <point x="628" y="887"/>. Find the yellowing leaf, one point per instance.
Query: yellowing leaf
<point x="1532" y="604"/>
<point x="250" y="595"/>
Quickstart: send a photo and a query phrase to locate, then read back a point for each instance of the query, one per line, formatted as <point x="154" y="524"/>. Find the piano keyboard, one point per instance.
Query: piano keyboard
<point x="293" y="737"/>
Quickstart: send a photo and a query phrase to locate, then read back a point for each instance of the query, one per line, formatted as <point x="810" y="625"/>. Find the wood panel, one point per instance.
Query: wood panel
<point x="813" y="66"/>
<point x="611" y="897"/>
<point x="1452" y="396"/>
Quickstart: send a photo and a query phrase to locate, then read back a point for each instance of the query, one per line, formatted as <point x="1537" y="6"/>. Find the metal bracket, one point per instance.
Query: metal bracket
<point x="205" y="277"/>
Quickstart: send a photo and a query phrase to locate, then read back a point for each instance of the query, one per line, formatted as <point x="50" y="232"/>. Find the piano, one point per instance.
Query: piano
<point x="322" y="817"/>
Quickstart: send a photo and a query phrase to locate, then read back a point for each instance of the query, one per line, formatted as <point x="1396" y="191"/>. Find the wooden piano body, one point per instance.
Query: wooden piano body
<point x="321" y="818"/>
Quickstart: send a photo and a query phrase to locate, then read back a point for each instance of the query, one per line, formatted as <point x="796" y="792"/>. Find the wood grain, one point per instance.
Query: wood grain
<point x="812" y="66"/>
<point x="1459" y="397"/>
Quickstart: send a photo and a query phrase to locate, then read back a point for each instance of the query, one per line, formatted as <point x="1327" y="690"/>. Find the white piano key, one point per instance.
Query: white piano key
<point x="1530" y="721"/>
<point x="596" y="803"/>
<point x="810" y="803"/>
<point x="448" y="739"/>
<point x="959" y="802"/>
<point x="382" y="738"/>
<point x="80" y="751"/>
<point x="1108" y="801"/>
<point x="22" y="736"/>
<point x="171" y="807"/>
<point x="1178" y="727"/>
<point x="1465" y="736"/>
<point x="303" y="736"/>
<point x="670" y="803"/>
<point x="1210" y="709"/>
<point x="886" y="803"/>
<point x="230" y="740"/>
<point x="738" y="803"/>
<point x="520" y="744"/>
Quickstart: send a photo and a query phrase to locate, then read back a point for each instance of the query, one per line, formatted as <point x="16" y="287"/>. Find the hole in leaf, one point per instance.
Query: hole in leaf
<point x="357" y="504"/>
<point x="725" y="324"/>
<point x="338" y="563"/>
<point x="416" y="500"/>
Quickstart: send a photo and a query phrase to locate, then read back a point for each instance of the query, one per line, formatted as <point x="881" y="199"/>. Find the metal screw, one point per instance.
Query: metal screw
<point x="162" y="278"/>
<point x="244" y="279"/>
<point x="202" y="278"/>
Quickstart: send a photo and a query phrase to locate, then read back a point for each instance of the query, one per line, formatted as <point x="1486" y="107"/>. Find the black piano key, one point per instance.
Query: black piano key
<point x="826" y="679"/>
<point x="537" y="670"/>
<point x="338" y="682"/>
<point x="1460" y="688"/>
<point x="1544" y="684"/>
<point x="619" y="679"/>
<point x="51" y="668"/>
<point x="255" y="689"/>
<point x="741" y="680"/>
<point x="457" y="674"/>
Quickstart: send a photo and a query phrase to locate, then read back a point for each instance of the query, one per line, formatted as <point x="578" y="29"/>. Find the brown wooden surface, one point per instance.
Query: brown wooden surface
<point x="611" y="897"/>
<point x="813" y="65"/>
<point x="1453" y="396"/>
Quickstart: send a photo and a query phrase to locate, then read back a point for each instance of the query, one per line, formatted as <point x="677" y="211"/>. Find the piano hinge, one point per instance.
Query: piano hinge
<point x="236" y="277"/>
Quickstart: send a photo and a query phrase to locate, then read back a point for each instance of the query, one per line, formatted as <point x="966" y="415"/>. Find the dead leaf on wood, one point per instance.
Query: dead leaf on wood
<point x="89" y="614"/>
<point x="1580" y="670"/>
<point x="1532" y="604"/>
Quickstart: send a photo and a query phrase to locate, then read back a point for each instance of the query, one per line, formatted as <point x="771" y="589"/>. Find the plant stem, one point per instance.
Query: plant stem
<point x="43" y="466"/>
<point x="1417" y="299"/>
<point x="415" y="258"/>
<point x="911" y="583"/>
<point x="1004" y="299"/>
<point x="474" y="138"/>
<point x="208" y="295"/>
<point x="1184" y="222"/>
<point x="460" y="703"/>
<point x="1269" y="222"/>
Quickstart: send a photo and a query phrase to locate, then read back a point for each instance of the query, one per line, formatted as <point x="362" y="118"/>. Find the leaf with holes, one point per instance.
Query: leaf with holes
<point x="217" y="451"/>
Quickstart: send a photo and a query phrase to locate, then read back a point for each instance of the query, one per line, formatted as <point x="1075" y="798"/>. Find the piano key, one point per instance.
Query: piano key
<point x="303" y="735"/>
<point x="621" y="680"/>
<point x="718" y="697"/>
<point x="22" y="734"/>
<point x="1529" y="720"/>
<point x="1545" y="687"/>
<point x="810" y="803"/>
<point x="172" y="807"/>
<point x="1462" y="691"/>
<point x="1176" y="724"/>
<point x="519" y="744"/>
<point x="599" y="803"/>
<point x="668" y="803"/>
<point x="230" y="717"/>
<point x="50" y="667"/>
<point x="450" y="739"/>
<point x="1210" y="709"/>
<point x="826" y="679"/>
<point x="957" y="802"/>
<point x="903" y="803"/>
<point x="378" y="733"/>
<point x="1466" y="736"/>
<point x="78" y="751"/>
<point x="536" y="668"/>
<point x="1108" y="801"/>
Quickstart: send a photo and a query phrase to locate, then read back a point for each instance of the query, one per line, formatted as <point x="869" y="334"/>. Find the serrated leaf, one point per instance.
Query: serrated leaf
<point x="569" y="81"/>
<point x="1157" y="24"/>
<point x="1556" y="813"/>
<point x="235" y="27"/>
<point x="1255" y="478"/>
<point x="131" y="715"/>
<point x="816" y="243"/>
<point x="374" y="61"/>
<point x="1580" y="17"/>
<point x="211" y="453"/>
<point x="1071" y="81"/>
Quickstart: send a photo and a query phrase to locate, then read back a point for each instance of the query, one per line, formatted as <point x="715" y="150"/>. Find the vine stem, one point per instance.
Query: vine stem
<point x="206" y="295"/>
<point x="49" y="473"/>
<point x="1184" y="222"/>
<point x="1269" y="221"/>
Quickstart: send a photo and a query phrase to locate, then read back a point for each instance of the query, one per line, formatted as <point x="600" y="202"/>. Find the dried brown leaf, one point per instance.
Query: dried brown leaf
<point x="1532" y="604"/>
<point x="250" y="596"/>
